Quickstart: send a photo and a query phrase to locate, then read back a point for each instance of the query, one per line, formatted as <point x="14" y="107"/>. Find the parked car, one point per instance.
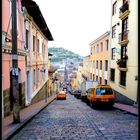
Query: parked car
<point x="101" y="94"/>
<point x="61" y="95"/>
<point x="77" y="94"/>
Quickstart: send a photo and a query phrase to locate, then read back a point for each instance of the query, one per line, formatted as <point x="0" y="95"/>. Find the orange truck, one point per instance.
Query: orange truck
<point x="100" y="94"/>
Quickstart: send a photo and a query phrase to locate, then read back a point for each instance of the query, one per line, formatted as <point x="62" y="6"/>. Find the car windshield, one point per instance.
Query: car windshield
<point x="104" y="91"/>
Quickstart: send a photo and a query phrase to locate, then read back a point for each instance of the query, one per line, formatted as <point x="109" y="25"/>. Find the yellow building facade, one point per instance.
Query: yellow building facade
<point x="74" y="84"/>
<point x="100" y="58"/>
<point x="124" y="50"/>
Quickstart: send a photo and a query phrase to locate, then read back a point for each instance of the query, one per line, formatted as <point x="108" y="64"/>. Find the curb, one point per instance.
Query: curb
<point x="132" y="113"/>
<point x="13" y="132"/>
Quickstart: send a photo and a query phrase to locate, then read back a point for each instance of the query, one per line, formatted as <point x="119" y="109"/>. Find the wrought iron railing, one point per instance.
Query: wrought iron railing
<point x="124" y="8"/>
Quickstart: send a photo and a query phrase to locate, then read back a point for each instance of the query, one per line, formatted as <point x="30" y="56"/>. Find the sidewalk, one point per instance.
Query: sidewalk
<point x="127" y="108"/>
<point x="26" y="115"/>
<point x="29" y="112"/>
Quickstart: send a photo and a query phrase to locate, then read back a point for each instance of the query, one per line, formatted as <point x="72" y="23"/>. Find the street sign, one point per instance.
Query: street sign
<point x="15" y="72"/>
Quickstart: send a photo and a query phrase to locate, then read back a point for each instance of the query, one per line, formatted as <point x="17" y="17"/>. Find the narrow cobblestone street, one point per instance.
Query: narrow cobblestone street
<point x="73" y="119"/>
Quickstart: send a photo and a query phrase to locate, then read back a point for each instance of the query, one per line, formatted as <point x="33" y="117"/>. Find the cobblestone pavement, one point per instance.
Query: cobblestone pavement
<point x="73" y="119"/>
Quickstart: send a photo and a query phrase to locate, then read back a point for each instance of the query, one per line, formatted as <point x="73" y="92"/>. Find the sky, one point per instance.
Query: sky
<point x="74" y="24"/>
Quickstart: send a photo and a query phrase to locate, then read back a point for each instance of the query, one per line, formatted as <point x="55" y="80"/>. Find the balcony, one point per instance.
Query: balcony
<point x="124" y="11"/>
<point x="123" y="38"/>
<point x="122" y="64"/>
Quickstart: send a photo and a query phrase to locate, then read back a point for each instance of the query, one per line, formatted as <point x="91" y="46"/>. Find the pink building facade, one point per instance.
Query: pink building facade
<point x="7" y="57"/>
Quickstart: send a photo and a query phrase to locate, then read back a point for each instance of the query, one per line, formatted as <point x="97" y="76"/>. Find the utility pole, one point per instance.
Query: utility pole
<point x="15" y="71"/>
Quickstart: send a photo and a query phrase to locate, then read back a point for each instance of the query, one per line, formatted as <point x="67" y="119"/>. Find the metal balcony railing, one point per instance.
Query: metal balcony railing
<point x="124" y="8"/>
<point x="122" y="63"/>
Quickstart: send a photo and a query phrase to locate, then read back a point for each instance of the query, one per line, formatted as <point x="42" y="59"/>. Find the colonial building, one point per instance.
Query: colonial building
<point x="7" y="56"/>
<point x="100" y="58"/>
<point x="86" y="67"/>
<point x="73" y="80"/>
<point x="79" y="76"/>
<point x="37" y="35"/>
<point x="124" y="50"/>
<point x="52" y="82"/>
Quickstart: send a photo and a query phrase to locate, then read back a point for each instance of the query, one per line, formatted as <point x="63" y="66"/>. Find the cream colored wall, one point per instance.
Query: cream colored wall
<point x="36" y="60"/>
<point x="132" y="63"/>
<point x="132" y="50"/>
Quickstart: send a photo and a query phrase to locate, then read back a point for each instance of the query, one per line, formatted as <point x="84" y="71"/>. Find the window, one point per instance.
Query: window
<point x="27" y="38"/>
<point x="112" y="75"/>
<point x="43" y="50"/>
<point x="97" y="64"/>
<point x="125" y="24"/>
<point x="97" y="49"/>
<point x="107" y="45"/>
<point x="34" y="77"/>
<point x="113" y="54"/>
<point x="114" y="31"/>
<point x="91" y="51"/>
<point x="101" y="47"/>
<point x="123" y="52"/>
<point x="106" y="65"/>
<point x="96" y="78"/>
<point x="33" y="43"/>
<point x="114" y="8"/>
<point x="38" y="75"/>
<point x="93" y="76"/>
<point x="3" y="38"/>
<point x="93" y="64"/>
<point x="38" y="46"/>
<point x="100" y="65"/>
<point x="105" y="82"/>
<point x="100" y="80"/>
<point x="123" y="78"/>
<point x="90" y="75"/>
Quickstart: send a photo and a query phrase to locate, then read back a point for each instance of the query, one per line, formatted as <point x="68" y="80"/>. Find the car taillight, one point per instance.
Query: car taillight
<point x="97" y="99"/>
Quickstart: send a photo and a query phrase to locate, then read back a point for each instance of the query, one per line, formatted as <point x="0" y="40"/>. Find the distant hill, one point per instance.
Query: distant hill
<point x="60" y="54"/>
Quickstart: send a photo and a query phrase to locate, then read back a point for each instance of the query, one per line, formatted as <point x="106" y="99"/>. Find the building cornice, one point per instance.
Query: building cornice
<point x="101" y="37"/>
